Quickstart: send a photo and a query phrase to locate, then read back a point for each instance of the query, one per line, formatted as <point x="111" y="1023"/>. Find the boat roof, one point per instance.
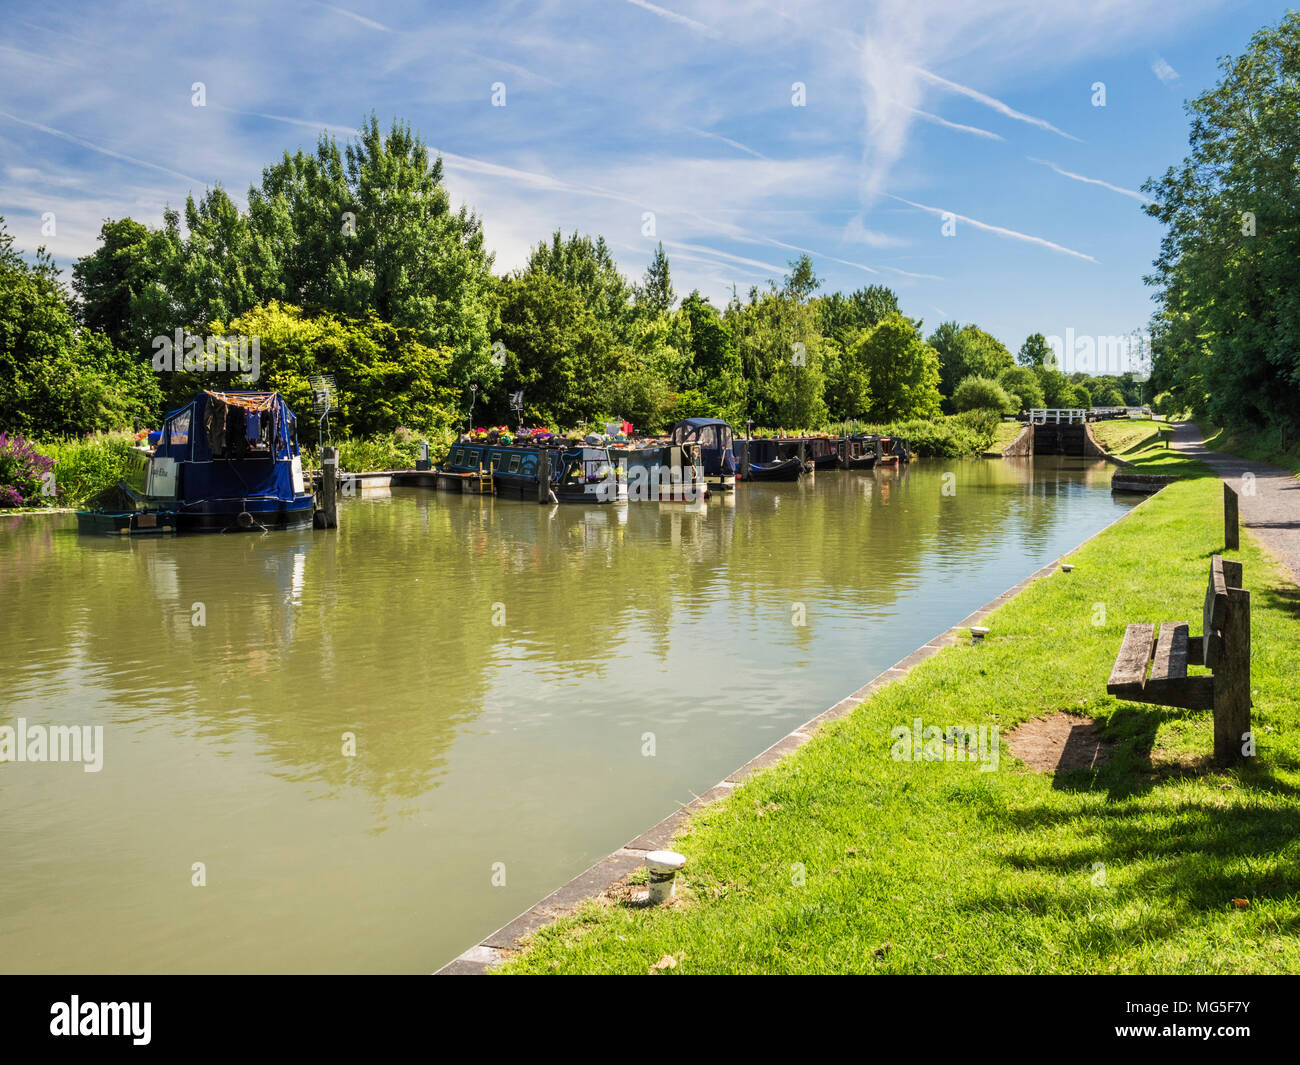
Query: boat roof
<point x="700" y="423"/>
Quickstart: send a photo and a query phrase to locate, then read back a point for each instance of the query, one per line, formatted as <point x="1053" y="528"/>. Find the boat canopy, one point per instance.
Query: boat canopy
<point x="234" y="444"/>
<point x="708" y="432"/>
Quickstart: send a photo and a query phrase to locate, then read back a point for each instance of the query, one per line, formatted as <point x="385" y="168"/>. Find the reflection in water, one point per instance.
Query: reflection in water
<point x="498" y="665"/>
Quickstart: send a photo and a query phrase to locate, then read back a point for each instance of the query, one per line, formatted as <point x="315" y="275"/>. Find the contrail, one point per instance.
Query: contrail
<point x="996" y="229"/>
<point x="997" y="105"/>
<point x="1092" y="181"/>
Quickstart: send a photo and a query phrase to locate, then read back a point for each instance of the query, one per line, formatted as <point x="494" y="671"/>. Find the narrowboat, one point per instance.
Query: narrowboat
<point x="578" y="473"/>
<point x="775" y="459"/>
<point x="224" y="462"/>
<point x="714" y="438"/>
<point x="658" y="472"/>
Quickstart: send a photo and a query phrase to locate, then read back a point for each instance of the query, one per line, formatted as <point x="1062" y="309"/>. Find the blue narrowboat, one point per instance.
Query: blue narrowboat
<point x="224" y="462"/>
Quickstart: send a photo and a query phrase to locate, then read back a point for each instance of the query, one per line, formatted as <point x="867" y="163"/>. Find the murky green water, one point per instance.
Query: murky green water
<point x="476" y="743"/>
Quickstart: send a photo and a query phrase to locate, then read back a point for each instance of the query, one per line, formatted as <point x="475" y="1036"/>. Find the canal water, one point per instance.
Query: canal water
<point x="526" y="689"/>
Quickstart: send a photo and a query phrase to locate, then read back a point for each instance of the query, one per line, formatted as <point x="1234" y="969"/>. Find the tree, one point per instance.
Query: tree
<point x="903" y="370"/>
<point x="967" y="351"/>
<point x="1023" y="382"/>
<point x="840" y="316"/>
<point x="370" y="228"/>
<point x="981" y="393"/>
<point x="656" y="290"/>
<point x="111" y="280"/>
<point x="557" y="352"/>
<point x="386" y="376"/>
<point x="714" y="363"/>
<point x="588" y="267"/>
<point x="54" y="377"/>
<point x="1035" y="351"/>
<point x="1227" y="278"/>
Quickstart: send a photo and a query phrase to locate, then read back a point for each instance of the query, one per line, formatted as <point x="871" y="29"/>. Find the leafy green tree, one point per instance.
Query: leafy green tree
<point x="903" y="370"/>
<point x="370" y="228"/>
<point x="841" y="317"/>
<point x="1023" y="382"/>
<point x="54" y="377"/>
<point x="1227" y="277"/>
<point x="1035" y="351"/>
<point x="967" y="351"/>
<point x="386" y="376"/>
<point x="1057" y="390"/>
<point x="655" y="293"/>
<point x="981" y="393"/>
<point x="557" y="352"/>
<point x="588" y="267"/>
<point x="111" y="281"/>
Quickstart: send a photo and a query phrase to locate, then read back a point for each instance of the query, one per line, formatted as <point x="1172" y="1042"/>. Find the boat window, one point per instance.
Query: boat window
<point x="178" y="429"/>
<point x="499" y="459"/>
<point x="709" y="436"/>
<point x="529" y="465"/>
<point x="514" y="464"/>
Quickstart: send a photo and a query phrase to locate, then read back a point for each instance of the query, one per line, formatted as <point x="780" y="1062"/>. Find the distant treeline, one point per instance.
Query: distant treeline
<point x="352" y="261"/>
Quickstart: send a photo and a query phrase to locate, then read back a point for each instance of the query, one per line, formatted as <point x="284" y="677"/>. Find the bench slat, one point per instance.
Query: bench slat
<point x="1170" y="659"/>
<point x="1128" y="676"/>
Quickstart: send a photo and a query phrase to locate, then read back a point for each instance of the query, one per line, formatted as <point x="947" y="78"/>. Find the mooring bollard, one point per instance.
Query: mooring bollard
<point x="1231" y="532"/>
<point x="663" y="866"/>
<point x="977" y="634"/>
<point x="422" y="463"/>
<point x="327" y="516"/>
<point x="1067" y="566"/>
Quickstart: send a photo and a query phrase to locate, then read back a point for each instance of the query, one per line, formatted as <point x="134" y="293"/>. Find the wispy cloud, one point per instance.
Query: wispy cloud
<point x="1162" y="70"/>
<point x="994" y="103"/>
<point x="1000" y="230"/>
<point x="673" y="16"/>
<point x="1132" y="193"/>
<point x="728" y="141"/>
<point x="81" y="141"/>
<point x="371" y="23"/>
<point x="956" y="125"/>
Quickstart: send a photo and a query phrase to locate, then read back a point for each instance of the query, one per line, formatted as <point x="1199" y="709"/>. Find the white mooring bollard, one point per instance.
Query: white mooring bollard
<point x="977" y="634"/>
<point x="663" y="866"/>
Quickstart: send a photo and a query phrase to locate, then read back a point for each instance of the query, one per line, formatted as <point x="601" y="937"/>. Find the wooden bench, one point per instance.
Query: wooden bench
<point x="1223" y="646"/>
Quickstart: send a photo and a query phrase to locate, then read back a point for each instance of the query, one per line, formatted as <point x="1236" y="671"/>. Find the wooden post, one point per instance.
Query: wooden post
<point x="329" y="461"/>
<point x="543" y="475"/>
<point x="1231" y="533"/>
<point x="1232" y="675"/>
<point x="844" y="453"/>
<point x="744" y="460"/>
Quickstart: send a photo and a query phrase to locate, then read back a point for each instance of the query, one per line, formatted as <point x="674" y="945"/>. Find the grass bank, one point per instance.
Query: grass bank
<point x="841" y="859"/>
<point x="1258" y="445"/>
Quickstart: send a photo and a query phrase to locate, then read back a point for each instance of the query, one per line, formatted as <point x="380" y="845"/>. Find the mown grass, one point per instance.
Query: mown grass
<point x="932" y="867"/>
<point x="1122" y="435"/>
<point x="1005" y="435"/>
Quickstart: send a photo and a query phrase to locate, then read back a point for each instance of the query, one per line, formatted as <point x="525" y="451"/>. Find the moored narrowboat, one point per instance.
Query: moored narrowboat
<point x="714" y="437"/>
<point x="224" y="462"/>
<point x="577" y="473"/>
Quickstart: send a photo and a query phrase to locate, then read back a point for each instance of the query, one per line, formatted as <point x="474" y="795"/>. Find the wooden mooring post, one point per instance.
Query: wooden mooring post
<point x="544" y="475"/>
<point x="744" y="460"/>
<point x="1231" y="529"/>
<point x="326" y="517"/>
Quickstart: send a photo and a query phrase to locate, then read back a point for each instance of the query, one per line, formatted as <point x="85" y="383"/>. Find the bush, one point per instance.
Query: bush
<point x="23" y="472"/>
<point x="1022" y="381"/>
<point x="981" y="393"/>
<point x="397" y="450"/>
<point x="85" y="468"/>
<point x="956" y="436"/>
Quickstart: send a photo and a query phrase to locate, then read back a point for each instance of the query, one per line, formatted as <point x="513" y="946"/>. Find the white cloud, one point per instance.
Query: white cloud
<point x="1163" y="70"/>
<point x="1000" y="230"/>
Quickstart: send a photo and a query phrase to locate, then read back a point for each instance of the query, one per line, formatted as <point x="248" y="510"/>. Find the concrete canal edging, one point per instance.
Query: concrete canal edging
<point x="504" y="942"/>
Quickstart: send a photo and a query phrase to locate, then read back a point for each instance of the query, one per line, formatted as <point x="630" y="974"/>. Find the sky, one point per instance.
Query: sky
<point x="954" y="151"/>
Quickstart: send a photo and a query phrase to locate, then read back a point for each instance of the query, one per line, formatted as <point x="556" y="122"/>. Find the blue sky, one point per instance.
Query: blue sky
<point x="684" y="109"/>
